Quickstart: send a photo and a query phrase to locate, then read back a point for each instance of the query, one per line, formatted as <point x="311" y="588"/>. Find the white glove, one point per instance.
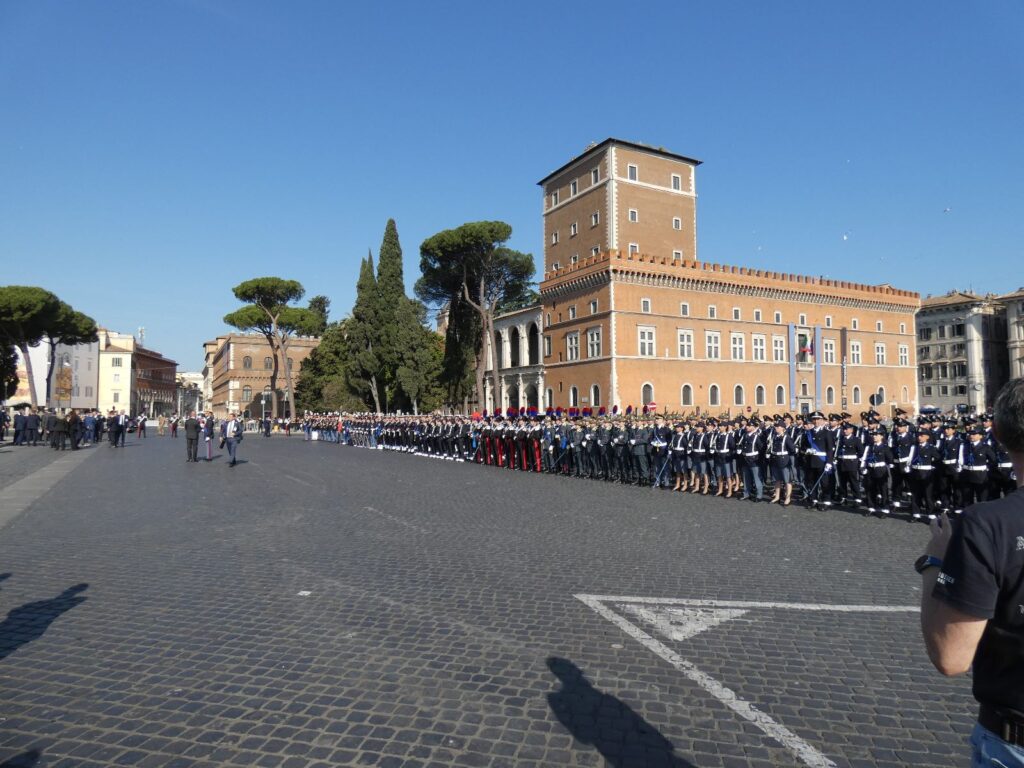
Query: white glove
<point x="828" y="468"/>
<point x="207" y="439"/>
<point x="632" y="442"/>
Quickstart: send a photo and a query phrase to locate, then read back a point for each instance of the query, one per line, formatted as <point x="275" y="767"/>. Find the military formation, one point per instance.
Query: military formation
<point x="920" y="467"/>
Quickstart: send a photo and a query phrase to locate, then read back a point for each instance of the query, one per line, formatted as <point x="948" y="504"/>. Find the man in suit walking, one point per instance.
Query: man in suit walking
<point x="32" y="425"/>
<point x="231" y="431"/>
<point x="192" y="438"/>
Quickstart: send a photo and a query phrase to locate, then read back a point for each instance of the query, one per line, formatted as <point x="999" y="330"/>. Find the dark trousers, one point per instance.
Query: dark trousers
<point x="849" y="483"/>
<point x="232" y="446"/>
<point x="973" y="493"/>
<point x="922" y="490"/>
<point x="877" y="491"/>
<point x="192" y="448"/>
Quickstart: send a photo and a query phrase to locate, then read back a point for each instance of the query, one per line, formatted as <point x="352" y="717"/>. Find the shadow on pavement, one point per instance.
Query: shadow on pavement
<point x="30" y="621"/>
<point x="623" y="737"/>
<point x="24" y="760"/>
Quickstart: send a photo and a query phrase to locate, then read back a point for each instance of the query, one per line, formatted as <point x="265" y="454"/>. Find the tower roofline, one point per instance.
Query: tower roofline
<point x="622" y="142"/>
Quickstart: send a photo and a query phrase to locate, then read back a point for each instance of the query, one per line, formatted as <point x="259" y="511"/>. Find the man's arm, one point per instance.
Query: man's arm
<point x="950" y="636"/>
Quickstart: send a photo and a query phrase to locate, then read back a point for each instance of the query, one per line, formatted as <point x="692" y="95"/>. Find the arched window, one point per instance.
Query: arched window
<point x="647" y="394"/>
<point x="856" y="395"/>
<point x="780" y="395"/>
<point x="595" y="396"/>
<point x="713" y="395"/>
<point x="759" y="395"/>
<point x="246" y="394"/>
<point x="906" y="395"/>
<point x="574" y="397"/>
<point x="737" y="395"/>
<point x="499" y="352"/>
<point x="686" y="395"/>
<point x="268" y="364"/>
<point x="881" y="395"/>
<point x="830" y="396"/>
<point x="247" y="363"/>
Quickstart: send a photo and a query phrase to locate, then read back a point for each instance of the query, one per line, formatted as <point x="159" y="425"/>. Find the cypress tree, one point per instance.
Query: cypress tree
<point x="363" y="334"/>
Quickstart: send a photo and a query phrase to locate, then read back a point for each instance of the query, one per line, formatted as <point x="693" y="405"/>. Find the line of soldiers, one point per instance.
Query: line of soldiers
<point x="923" y="466"/>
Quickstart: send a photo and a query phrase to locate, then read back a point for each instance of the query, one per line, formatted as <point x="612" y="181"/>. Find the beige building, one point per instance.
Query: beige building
<point x="238" y="369"/>
<point x="133" y="378"/>
<point x="1014" y="304"/>
<point x="630" y="316"/>
<point x="517" y="342"/>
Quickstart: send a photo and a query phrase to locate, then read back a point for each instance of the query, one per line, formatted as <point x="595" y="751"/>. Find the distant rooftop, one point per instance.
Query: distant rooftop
<point x="634" y="144"/>
<point x="954" y="298"/>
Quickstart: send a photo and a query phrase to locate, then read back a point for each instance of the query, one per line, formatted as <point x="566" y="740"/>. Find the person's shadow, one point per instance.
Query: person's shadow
<point x="30" y="621"/>
<point x="624" y="738"/>
<point x="24" y="760"/>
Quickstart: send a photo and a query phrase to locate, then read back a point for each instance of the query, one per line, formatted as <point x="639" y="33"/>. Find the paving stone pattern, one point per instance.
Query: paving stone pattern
<point x="156" y="615"/>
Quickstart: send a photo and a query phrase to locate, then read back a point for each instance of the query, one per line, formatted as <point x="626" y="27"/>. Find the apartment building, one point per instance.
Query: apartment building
<point x="1014" y="304"/>
<point x="961" y="351"/>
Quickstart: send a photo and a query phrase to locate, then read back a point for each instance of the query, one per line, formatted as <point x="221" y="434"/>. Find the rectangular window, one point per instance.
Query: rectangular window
<point x="595" y="218"/>
<point x="684" y="310"/>
<point x="778" y="349"/>
<point x="828" y="321"/>
<point x="596" y="250"/>
<point x="803" y="319"/>
<point x="778" y="318"/>
<point x="88" y="391"/>
<point x="634" y="215"/>
<point x="758" y="345"/>
<point x="830" y="351"/>
<point x="117" y="378"/>
<point x="736" y="314"/>
<point x="942" y="331"/>
<point x="757" y="315"/>
<point x="594" y="342"/>
<point x="685" y="344"/>
<point x="632" y="173"/>
<point x="593" y="307"/>
<point x="677" y="255"/>
<point x="958" y="329"/>
<point x="572" y="346"/>
<point x="554" y="198"/>
<point x="634" y="248"/>
<point x="574" y="229"/>
<point x="572" y="312"/>
<point x="904" y="355"/>
<point x="878" y="326"/>
<point x="961" y="389"/>
<point x="677" y="182"/>
<point x="677" y="223"/>
<point x="547" y="346"/>
<point x="646" y="336"/>
<point x="943" y="390"/>
<point x="927" y="391"/>
<point x="574" y="259"/>
<point x="737" y="345"/>
<point x="924" y="334"/>
<point x="117" y="397"/>
<point x="595" y="175"/>
<point x="879" y="354"/>
<point x="115" y="362"/>
<point x="855" y="353"/>
<point x="855" y="324"/>
<point x="555" y="266"/>
<point x="645" y="306"/>
<point x="712" y="311"/>
<point x="573" y="188"/>
<point x="712" y="345"/>
<point x="554" y="237"/>
<point x="903" y="327"/>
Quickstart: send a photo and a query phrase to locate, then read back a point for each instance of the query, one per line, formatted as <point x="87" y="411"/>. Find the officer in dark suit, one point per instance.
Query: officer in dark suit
<point x="32" y="424"/>
<point x="192" y="438"/>
<point x="19" y="428"/>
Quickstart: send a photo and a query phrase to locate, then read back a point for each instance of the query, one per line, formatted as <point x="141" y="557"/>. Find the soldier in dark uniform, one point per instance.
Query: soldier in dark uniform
<point x="978" y="459"/>
<point x="847" y="461"/>
<point x="901" y="441"/>
<point x="639" y="443"/>
<point x="947" y="472"/>
<point x="750" y="451"/>
<point x="781" y="449"/>
<point x="875" y="463"/>
<point x="677" y="455"/>
<point x="818" y="448"/>
<point x="921" y="469"/>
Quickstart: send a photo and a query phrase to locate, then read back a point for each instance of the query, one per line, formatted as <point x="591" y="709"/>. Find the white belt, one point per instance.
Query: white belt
<point x="923" y="467"/>
<point x="904" y="460"/>
<point x="1006" y="465"/>
<point x="877" y="464"/>
<point x="815" y="453"/>
<point x="949" y="461"/>
<point x="849" y="456"/>
<point x="755" y="453"/>
<point x="977" y="469"/>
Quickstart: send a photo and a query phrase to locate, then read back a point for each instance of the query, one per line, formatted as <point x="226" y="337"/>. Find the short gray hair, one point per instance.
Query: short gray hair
<point x="1009" y="416"/>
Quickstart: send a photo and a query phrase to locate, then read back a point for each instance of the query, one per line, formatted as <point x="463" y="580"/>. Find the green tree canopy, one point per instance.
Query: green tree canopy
<point x="471" y="264"/>
<point x="320" y="306"/>
<point x="27" y="313"/>
<point x="69" y="327"/>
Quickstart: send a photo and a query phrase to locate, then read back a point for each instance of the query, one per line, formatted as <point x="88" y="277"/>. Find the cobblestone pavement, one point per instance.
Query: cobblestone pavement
<point x="330" y="606"/>
<point x="18" y="461"/>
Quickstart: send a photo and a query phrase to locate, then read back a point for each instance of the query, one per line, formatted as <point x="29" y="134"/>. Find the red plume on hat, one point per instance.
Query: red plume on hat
<point x="601" y="411"/>
<point x="615" y="409"/>
<point x="629" y="410"/>
<point x="522" y="410"/>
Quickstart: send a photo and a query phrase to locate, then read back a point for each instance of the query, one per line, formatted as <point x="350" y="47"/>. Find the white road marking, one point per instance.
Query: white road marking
<point x="305" y="593"/>
<point x="686" y="618"/>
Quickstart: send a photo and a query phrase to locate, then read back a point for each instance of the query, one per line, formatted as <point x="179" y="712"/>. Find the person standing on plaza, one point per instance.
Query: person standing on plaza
<point x="20" y="430"/>
<point x="140" y="425"/>
<point x="4" y="421"/>
<point x="33" y="423"/>
<point x="161" y="425"/>
<point x="74" y="428"/>
<point x="231" y="431"/>
<point x="207" y="426"/>
<point x="192" y="430"/>
<point x="971" y="599"/>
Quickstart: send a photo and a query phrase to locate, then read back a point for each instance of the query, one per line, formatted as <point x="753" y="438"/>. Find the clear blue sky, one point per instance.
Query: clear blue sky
<point x="152" y="155"/>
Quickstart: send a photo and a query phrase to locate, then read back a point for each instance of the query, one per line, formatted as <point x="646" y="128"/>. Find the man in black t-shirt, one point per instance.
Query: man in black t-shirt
<point x="972" y="605"/>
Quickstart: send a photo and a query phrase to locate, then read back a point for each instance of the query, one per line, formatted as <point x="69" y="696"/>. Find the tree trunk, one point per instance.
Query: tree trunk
<point x="28" y="372"/>
<point x="376" y="397"/>
<point x="282" y="344"/>
<point x="274" y="371"/>
<point x="49" y="369"/>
